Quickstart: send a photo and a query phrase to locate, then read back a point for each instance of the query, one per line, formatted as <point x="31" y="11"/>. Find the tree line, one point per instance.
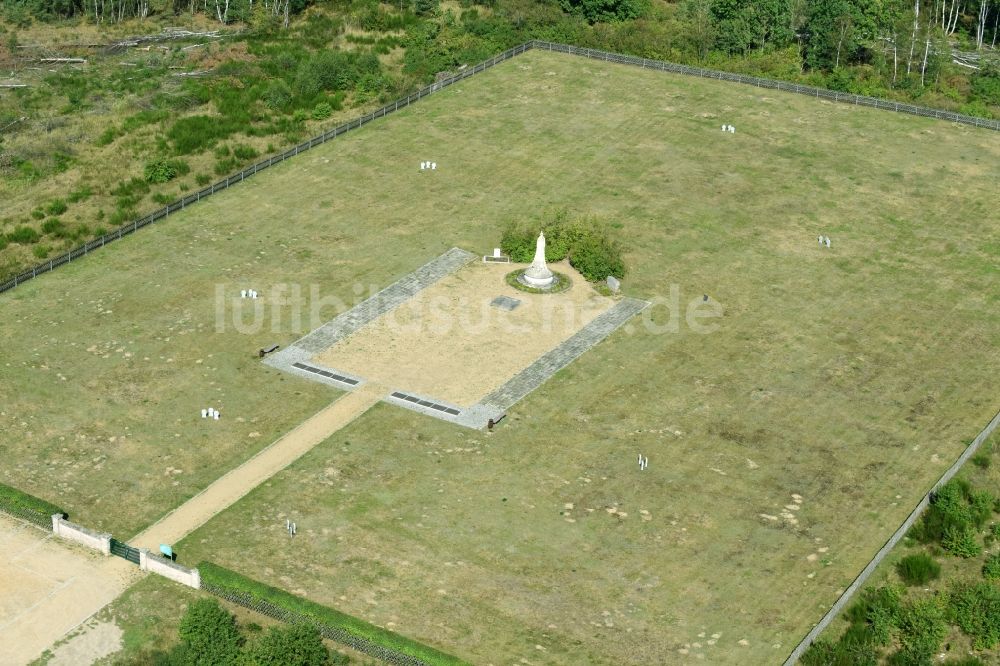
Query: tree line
<point x="117" y="11"/>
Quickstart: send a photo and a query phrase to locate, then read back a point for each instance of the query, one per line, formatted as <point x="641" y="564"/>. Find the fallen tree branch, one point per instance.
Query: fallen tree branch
<point x="168" y="34"/>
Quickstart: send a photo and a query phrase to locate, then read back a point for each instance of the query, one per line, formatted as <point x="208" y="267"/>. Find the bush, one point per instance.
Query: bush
<point x="203" y="179"/>
<point x="162" y="170"/>
<point x="426" y="7"/>
<point x="961" y="541"/>
<point x="980" y="507"/>
<point x="123" y="215"/>
<point x="38" y="214"/>
<point x="986" y="85"/>
<point x="333" y="70"/>
<point x="195" y="133"/>
<point x="56" y="207"/>
<point x="976" y="610"/>
<point x="991" y="567"/>
<point x="23" y="235"/>
<point x="855" y="648"/>
<point x="322" y="111"/>
<point x="597" y="257"/>
<point x="297" y="645"/>
<point x="244" y="152"/>
<point x="982" y="460"/>
<point x="605" y="10"/>
<point x="277" y="95"/>
<point x="922" y="627"/>
<point x="587" y="244"/>
<point x="52" y="225"/>
<point x="40" y="251"/>
<point x="955" y="513"/>
<point x="518" y="243"/>
<point x="222" y="580"/>
<point x="225" y="166"/>
<point x="210" y="634"/>
<point x="879" y="611"/>
<point x="918" y="569"/>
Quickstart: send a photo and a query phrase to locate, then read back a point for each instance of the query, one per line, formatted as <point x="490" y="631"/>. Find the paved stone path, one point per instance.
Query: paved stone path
<point x="391" y="297"/>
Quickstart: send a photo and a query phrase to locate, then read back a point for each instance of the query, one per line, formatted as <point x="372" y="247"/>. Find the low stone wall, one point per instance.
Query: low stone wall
<point x="168" y="569"/>
<point x="72" y="532"/>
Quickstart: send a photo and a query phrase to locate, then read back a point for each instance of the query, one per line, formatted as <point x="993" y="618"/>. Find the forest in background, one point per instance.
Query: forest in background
<point x="104" y="116"/>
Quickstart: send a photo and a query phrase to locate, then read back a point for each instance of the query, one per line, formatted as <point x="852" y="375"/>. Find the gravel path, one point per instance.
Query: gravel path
<point x="236" y="483"/>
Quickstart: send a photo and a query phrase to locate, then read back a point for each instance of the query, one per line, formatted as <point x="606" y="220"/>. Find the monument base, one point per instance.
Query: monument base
<point x="520" y="281"/>
<point x="539" y="280"/>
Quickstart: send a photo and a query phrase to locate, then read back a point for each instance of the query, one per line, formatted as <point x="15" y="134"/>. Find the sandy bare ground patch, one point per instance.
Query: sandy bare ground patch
<point x="449" y="343"/>
<point x="94" y="641"/>
<point x="239" y="481"/>
<point x="48" y="588"/>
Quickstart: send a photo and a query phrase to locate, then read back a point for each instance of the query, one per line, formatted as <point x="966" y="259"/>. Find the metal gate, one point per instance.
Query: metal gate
<point x="124" y="550"/>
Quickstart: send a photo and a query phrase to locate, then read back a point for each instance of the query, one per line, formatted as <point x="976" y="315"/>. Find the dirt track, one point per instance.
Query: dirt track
<point x="236" y="483"/>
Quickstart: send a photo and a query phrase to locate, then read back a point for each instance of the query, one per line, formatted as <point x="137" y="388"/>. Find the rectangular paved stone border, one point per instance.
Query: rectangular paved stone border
<point x="296" y="358"/>
<point x="302" y="350"/>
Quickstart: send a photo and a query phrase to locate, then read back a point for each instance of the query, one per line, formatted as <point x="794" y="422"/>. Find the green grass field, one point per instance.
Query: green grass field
<point x="850" y="377"/>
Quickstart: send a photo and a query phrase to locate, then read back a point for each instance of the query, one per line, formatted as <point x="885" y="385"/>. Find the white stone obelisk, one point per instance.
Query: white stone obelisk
<point x="538" y="274"/>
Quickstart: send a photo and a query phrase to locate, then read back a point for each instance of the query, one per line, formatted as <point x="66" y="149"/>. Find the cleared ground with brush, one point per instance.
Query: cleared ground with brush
<point x="838" y="385"/>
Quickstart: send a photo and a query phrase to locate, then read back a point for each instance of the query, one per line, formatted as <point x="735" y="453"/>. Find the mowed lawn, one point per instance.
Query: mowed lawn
<point x="784" y="447"/>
